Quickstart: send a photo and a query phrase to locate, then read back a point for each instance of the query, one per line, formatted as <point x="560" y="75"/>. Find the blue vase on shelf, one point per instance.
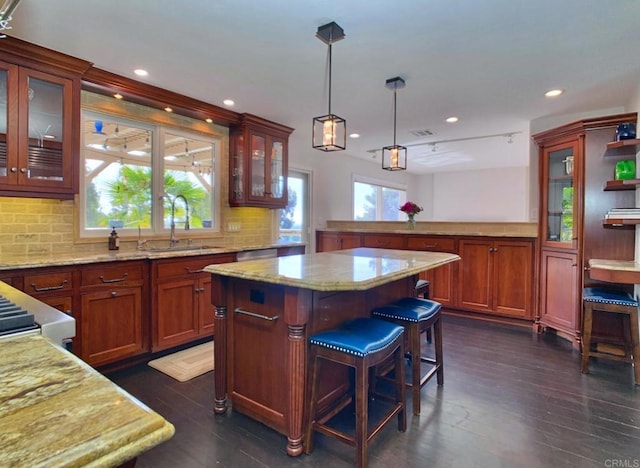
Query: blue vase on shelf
<point x="626" y="131"/>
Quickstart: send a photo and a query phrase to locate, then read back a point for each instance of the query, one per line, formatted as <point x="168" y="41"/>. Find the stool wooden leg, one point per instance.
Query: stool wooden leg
<point x="362" y="411"/>
<point x="586" y="336"/>
<point x="400" y="388"/>
<point x="414" y="345"/>
<point x="312" y="397"/>
<point x="635" y="344"/>
<point x="437" y="335"/>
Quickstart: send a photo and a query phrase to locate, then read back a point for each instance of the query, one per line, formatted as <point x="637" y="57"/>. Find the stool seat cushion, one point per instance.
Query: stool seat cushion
<point x="411" y="309"/>
<point x="608" y="296"/>
<point x="359" y="337"/>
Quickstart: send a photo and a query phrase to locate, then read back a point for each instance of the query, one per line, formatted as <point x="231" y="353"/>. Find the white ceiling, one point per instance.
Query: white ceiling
<point x="488" y="62"/>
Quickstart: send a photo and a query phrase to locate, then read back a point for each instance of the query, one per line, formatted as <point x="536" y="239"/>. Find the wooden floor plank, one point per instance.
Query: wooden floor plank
<point x="511" y="398"/>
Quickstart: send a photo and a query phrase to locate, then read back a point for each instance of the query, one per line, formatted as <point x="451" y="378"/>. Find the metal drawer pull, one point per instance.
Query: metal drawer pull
<point x="430" y="246"/>
<point x="189" y="270"/>
<point x="116" y="280"/>
<point x="240" y="310"/>
<point x="49" y="288"/>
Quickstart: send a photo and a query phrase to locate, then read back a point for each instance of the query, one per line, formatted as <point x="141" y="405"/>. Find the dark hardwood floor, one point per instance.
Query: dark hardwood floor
<point x="511" y="398"/>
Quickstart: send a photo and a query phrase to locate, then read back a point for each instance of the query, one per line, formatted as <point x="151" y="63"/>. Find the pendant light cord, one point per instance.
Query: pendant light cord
<point x="394" y="117"/>
<point x="329" y="79"/>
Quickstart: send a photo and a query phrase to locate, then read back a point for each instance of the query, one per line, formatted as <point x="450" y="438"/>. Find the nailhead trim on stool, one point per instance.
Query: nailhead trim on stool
<point x="362" y="344"/>
<point x="417" y="316"/>
<point x="613" y="302"/>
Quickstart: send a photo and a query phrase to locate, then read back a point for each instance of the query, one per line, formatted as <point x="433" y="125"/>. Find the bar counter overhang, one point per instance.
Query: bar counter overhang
<point x="266" y="309"/>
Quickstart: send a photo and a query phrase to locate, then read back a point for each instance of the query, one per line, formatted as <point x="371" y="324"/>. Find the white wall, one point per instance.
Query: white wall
<point x="482" y="195"/>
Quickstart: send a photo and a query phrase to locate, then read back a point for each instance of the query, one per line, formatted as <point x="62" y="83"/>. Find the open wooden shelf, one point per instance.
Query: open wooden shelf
<point x="621" y="222"/>
<point x="628" y="184"/>
<point x="622" y="147"/>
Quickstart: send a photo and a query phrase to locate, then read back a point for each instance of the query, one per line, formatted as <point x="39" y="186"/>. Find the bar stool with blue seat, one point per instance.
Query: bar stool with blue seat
<point x="362" y="344"/>
<point x="612" y="302"/>
<point x="417" y="316"/>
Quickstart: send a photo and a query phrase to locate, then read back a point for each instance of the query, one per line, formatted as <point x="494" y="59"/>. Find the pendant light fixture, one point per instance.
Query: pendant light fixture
<point x="329" y="131"/>
<point x="394" y="158"/>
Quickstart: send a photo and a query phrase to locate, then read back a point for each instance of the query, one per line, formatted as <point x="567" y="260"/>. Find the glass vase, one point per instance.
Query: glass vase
<point x="411" y="223"/>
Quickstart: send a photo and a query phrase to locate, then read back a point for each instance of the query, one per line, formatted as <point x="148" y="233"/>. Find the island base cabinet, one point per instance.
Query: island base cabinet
<point x="259" y="346"/>
<point x="111" y="325"/>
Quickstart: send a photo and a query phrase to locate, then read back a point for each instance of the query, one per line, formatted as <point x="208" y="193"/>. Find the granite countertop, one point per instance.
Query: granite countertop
<point x="12" y="262"/>
<point x="615" y="271"/>
<point x="436" y="228"/>
<point x="55" y="410"/>
<point x="344" y="270"/>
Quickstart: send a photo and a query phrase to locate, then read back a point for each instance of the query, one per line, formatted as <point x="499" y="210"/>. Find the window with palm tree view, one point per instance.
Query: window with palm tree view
<point x="140" y="176"/>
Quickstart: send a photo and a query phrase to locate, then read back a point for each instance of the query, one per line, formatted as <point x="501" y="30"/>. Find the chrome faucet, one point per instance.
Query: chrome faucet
<point x="173" y="240"/>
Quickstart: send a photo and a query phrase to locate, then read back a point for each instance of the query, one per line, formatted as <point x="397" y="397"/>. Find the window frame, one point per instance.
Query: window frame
<point x="157" y="131"/>
<point x="382" y="184"/>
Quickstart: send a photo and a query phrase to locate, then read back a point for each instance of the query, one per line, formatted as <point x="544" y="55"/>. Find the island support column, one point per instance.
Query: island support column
<point x="297" y="307"/>
<point x="219" y="298"/>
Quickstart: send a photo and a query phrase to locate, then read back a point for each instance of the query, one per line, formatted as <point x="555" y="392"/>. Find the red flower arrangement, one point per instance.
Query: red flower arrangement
<point x="411" y="209"/>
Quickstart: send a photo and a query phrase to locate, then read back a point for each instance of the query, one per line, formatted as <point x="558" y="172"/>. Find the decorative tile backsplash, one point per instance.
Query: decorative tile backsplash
<point x="43" y="226"/>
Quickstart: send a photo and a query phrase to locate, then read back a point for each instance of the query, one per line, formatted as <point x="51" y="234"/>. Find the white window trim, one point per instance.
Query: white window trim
<point x="157" y="229"/>
<point x="372" y="181"/>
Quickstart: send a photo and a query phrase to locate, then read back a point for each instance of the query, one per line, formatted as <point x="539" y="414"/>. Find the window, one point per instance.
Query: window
<point x="375" y="202"/>
<point x="294" y="219"/>
<point x="126" y="162"/>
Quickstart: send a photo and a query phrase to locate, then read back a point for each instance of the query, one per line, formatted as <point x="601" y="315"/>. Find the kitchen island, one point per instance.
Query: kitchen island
<point x="55" y="410"/>
<point x="266" y="309"/>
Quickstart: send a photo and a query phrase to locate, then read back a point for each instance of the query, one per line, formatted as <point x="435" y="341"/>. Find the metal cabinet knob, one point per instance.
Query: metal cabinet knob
<point x="23" y="170"/>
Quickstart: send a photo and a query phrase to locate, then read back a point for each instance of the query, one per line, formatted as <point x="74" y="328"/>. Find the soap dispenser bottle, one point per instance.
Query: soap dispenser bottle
<point x="114" y="240"/>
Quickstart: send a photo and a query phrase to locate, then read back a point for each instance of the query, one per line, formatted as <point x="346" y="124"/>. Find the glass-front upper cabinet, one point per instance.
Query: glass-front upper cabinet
<point x="258" y="164"/>
<point x="36" y="133"/>
<point x="561" y="164"/>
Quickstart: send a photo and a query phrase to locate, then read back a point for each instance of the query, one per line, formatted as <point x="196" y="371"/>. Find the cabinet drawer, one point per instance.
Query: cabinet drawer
<point x="383" y="242"/>
<point x="189" y="265"/>
<point x="435" y="244"/>
<point x="117" y="274"/>
<point x="48" y="282"/>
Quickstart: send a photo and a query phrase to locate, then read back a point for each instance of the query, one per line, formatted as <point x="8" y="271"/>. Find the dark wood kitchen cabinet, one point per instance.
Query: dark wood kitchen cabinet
<point x="113" y="322"/>
<point x="572" y="209"/>
<point x="40" y="122"/>
<point x="495" y="276"/>
<point x="442" y="280"/>
<point x="181" y="307"/>
<point x="327" y="241"/>
<point x="258" y="166"/>
<point x="53" y="286"/>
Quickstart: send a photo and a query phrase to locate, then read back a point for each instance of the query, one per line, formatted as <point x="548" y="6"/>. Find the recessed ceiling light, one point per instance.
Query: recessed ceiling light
<point x="118" y="96"/>
<point x="208" y="120"/>
<point x="140" y="72"/>
<point x="354" y="135"/>
<point x="168" y="109"/>
<point x="452" y="119"/>
<point x="554" y="92"/>
<point x="228" y="102"/>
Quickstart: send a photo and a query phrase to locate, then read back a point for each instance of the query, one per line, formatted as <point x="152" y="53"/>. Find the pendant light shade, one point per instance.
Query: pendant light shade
<point x="329" y="131"/>
<point x="394" y="158"/>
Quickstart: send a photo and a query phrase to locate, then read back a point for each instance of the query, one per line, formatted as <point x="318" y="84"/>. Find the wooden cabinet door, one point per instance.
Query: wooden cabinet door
<point x="177" y="320"/>
<point x="111" y="325"/>
<point x="560" y="300"/>
<point x="441" y="283"/>
<point x="329" y="241"/>
<point x="206" y="311"/>
<point x="512" y="278"/>
<point x="475" y="275"/>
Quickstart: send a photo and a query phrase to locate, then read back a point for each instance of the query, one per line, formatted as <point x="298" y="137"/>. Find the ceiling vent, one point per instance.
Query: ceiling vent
<point x="421" y="133"/>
